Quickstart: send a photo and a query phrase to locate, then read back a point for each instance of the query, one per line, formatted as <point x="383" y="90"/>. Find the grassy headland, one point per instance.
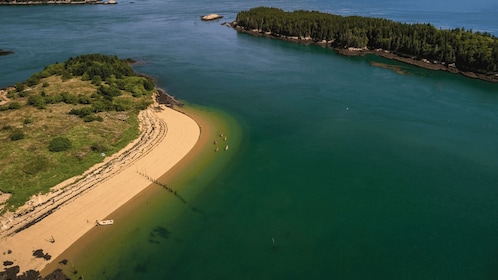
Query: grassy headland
<point x="65" y="119"/>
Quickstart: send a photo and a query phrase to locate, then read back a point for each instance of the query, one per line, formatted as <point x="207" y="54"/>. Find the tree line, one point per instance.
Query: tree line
<point x="108" y="73"/>
<point x="464" y="49"/>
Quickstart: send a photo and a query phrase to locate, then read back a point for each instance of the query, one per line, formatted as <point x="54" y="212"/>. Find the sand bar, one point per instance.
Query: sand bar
<point x="167" y="137"/>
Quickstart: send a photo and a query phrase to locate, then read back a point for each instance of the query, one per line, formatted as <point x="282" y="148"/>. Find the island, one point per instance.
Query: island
<point x="88" y="131"/>
<point x="211" y="17"/>
<point x="474" y="54"/>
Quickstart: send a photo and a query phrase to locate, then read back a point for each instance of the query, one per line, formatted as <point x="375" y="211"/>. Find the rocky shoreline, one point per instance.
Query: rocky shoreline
<point x="423" y="63"/>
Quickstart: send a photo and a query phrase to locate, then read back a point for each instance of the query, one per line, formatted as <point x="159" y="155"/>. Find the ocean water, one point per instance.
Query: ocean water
<point x="355" y="171"/>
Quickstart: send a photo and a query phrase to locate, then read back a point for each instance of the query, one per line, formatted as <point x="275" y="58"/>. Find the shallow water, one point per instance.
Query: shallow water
<point x="356" y="171"/>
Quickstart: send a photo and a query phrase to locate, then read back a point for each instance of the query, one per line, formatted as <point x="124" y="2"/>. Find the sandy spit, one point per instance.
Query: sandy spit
<point x="167" y="137"/>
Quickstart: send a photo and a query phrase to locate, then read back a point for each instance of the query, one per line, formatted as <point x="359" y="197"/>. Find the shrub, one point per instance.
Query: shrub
<point x="92" y="117"/>
<point x="33" y="80"/>
<point x="148" y="84"/>
<point x="19" y="87"/>
<point x="45" y="84"/>
<point x="12" y="94"/>
<point x="66" y="75"/>
<point x="17" y="135"/>
<point x="59" y="144"/>
<point x="122" y="104"/>
<point x="52" y="99"/>
<point x="82" y="112"/>
<point x="100" y="147"/>
<point x="14" y="105"/>
<point x="28" y="121"/>
<point x="143" y="104"/>
<point x="109" y="92"/>
<point x="38" y="101"/>
<point x="85" y="77"/>
<point x="84" y="99"/>
<point x="96" y="80"/>
<point x="70" y="98"/>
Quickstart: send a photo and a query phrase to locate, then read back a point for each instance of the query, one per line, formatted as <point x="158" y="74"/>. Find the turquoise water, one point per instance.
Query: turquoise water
<point x="356" y="171"/>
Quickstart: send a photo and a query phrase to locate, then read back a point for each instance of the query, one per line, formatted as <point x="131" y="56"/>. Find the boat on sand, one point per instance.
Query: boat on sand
<point x="104" y="222"/>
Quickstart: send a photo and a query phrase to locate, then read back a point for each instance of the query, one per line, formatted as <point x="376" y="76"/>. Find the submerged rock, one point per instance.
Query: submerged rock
<point x="3" y="52"/>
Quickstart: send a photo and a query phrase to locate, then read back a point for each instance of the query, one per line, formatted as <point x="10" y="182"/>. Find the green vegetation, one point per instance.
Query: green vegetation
<point x="57" y="123"/>
<point x="59" y="144"/>
<point x="16" y="135"/>
<point x="470" y="51"/>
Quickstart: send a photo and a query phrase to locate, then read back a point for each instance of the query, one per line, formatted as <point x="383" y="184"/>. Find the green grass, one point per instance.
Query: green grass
<point x="27" y="167"/>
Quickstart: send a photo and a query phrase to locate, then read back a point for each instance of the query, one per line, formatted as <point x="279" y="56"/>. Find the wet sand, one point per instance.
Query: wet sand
<point x="171" y="137"/>
<point x="82" y="254"/>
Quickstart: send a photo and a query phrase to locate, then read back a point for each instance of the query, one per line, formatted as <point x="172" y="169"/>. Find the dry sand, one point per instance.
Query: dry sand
<point x="167" y="137"/>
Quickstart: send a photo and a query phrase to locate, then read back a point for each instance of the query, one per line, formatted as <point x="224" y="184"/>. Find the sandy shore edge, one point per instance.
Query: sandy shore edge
<point x="167" y="137"/>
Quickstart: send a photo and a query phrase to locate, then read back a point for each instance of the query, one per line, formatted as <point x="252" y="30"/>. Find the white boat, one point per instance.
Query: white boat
<point x="104" y="222"/>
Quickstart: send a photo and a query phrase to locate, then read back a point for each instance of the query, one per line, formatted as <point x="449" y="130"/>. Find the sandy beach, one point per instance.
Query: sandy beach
<point x="72" y="208"/>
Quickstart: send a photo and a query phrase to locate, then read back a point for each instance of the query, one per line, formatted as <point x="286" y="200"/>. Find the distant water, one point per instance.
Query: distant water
<point x="356" y="171"/>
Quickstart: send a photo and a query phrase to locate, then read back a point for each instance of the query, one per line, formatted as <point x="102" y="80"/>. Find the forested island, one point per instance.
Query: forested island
<point x="474" y="54"/>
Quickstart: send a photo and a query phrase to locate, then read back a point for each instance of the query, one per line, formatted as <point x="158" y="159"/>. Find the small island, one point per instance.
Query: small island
<point x="473" y="54"/>
<point x="211" y="17"/>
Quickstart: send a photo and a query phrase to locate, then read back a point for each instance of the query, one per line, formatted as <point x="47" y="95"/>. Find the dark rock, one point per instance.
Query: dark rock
<point x="2" y="52"/>
<point x="7" y="263"/>
<point x="29" y="275"/>
<point x="38" y="253"/>
<point x="9" y="273"/>
<point x="56" y="275"/>
<point x="64" y="262"/>
<point x="164" y="98"/>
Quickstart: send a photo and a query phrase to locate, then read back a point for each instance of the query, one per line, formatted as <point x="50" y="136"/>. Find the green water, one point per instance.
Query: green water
<point x="392" y="177"/>
<point x="356" y="171"/>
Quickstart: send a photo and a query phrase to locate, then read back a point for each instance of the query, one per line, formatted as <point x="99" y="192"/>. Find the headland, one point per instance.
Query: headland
<point x="167" y="136"/>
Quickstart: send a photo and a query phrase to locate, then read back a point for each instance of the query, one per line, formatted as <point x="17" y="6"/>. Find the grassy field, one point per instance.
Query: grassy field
<point x="27" y="167"/>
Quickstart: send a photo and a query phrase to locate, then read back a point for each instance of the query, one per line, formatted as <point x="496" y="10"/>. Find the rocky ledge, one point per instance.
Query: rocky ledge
<point x="211" y="17"/>
<point x="3" y="52"/>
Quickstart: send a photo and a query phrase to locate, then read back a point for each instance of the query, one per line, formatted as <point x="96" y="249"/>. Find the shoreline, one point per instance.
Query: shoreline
<point x="84" y="254"/>
<point x="176" y="134"/>
<point x="360" y="52"/>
